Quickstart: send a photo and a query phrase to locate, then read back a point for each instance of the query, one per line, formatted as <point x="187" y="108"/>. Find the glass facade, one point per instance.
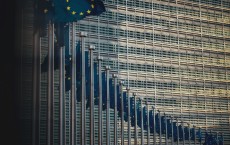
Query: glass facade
<point x="173" y="53"/>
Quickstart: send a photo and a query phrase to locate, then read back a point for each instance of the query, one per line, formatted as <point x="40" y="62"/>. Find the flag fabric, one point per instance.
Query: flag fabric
<point x="139" y="113"/>
<point x="186" y="133"/>
<point x="199" y="135"/>
<point x="118" y="100"/>
<point x="175" y="131"/>
<point x="87" y="78"/>
<point x="145" y="118"/>
<point x="78" y="71"/>
<point x="104" y="90"/>
<point x="192" y="134"/>
<point x="157" y="119"/>
<point x="180" y="132"/>
<point x="96" y="86"/>
<point x="69" y="10"/>
<point x="163" y="125"/>
<point x="111" y="93"/>
<point x="151" y="121"/>
<point x="169" y="128"/>
<point x="132" y="112"/>
<point x="125" y="101"/>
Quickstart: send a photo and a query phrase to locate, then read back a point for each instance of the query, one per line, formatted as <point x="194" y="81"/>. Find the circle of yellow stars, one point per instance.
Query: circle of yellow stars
<point x="68" y="8"/>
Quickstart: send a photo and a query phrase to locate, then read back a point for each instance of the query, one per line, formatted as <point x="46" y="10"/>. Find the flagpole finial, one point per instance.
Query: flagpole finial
<point x="99" y="58"/>
<point x="114" y="75"/>
<point x="91" y="47"/>
<point x="107" y="67"/>
<point x="83" y="34"/>
<point x="121" y="82"/>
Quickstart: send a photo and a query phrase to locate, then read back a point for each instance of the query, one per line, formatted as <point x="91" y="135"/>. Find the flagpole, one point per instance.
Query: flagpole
<point x="177" y="124"/>
<point x="62" y="95"/>
<point x="194" y="134"/>
<point x="91" y="49"/>
<point x="160" y="127"/>
<point x="100" y="137"/>
<point x="135" y="108"/>
<point x="121" y="83"/>
<point x="142" y="130"/>
<point x="166" y="129"/>
<point x="73" y="87"/>
<point x="50" y="83"/>
<point x="147" y="105"/>
<point x="36" y="85"/>
<point x="183" y="132"/>
<point x="83" y="86"/>
<point x="189" y="136"/>
<point x="115" y="108"/>
<point x="129" y="124"/>
<point x="107" y="68"/>
<point x="172" y="130"/>
<point x="154" y="128"/>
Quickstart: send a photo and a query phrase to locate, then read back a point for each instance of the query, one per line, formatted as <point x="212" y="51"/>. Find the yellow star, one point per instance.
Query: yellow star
<point x="68" y="8"/>
<point x="88" y="11"/>
<point x="92" y="6"/>
<point x="45" y="11"/>
<point x="73" y="12"/>
<point x="81" y="13"/>
<point x="67" y="1"/>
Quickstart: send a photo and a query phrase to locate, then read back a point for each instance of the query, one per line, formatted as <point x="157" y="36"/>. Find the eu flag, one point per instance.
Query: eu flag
<point x="70" y="10"/>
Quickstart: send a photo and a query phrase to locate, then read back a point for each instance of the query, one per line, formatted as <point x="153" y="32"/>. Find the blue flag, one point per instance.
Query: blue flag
<point x="69" y="10"/>
<point x="169" y="128"/>
<point x="199" y="135"/>
<point x="125" y="101"/>
<point x="87" y="78"/>
<point x="111" y="93"/>
<point x="180" y="132"/>
<point x="186" y="133"/>
<point x="104" y="90"/>
<point x="96" y="88"/>
<point x="145" y="118"/>
<point x="132" y="112"/>
<point x="151" y="121"/>
<point x="175" y="131"/>
<point x="78" y="71"/>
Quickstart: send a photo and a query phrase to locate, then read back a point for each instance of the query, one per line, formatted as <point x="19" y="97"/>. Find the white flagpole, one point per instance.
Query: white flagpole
<point x="166" y="129"/>
<point x="160" y="127"/>
<point x="100" y="137"/>
<point x="147" y="105"/>
<point x="73" y="88"/>
<point x="36" y="86"/>
<point x="135" y="108"/>
<point x="142" y="130"/>
<point x="62" y="95"/>
<point x="172" y="130"/>
<point x="189" y="136"/>
<point x="154" y="128"/>
<point x="83" y="86"/>
<point x="115" y="108"/>
<point x="121" y="83"/>
<point x="91" y="49"/>
<point x="107" y="68"/>
<point x="129" y="123"/>
<point x="50" y="83"/>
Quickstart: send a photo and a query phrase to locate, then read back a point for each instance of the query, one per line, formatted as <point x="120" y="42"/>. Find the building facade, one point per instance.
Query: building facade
<point x="173" y="53"/>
